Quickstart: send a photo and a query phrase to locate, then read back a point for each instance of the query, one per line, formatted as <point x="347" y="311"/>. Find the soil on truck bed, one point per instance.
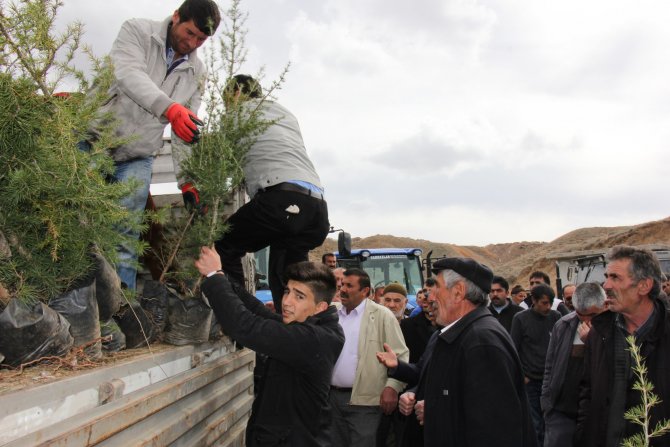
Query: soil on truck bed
<point x="67" y="366"/>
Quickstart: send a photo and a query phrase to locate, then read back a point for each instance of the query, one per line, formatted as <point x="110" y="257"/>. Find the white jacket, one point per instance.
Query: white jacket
<point x="142" y="92"/>
<point x="278" y="154"/>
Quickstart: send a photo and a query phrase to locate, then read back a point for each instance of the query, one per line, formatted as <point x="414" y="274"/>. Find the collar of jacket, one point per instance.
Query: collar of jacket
<point x="327" y="316"/>
<point x="604" y="323"/>
<point x="455" y="331"/>
<point x="370" y="311"/>
<point x="572" y="318"/>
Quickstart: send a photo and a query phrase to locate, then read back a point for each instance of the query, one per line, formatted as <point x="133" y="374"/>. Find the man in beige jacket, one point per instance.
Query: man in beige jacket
<point x="360" y="388"/>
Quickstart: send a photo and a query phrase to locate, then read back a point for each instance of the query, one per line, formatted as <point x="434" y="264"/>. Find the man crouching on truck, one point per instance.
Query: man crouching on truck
<point x="302" y="345"/>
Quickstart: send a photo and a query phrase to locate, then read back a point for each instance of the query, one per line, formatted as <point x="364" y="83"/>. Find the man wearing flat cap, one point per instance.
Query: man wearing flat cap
<point x="474" y="390"/>
<point x="394" y="299"/>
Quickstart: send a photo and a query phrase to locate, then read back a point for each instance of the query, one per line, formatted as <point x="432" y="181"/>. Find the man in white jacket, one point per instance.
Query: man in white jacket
<point x="158" y="79"/>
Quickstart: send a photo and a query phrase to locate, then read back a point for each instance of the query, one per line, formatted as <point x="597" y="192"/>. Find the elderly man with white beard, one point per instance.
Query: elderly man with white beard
<point x="394" y="299"/>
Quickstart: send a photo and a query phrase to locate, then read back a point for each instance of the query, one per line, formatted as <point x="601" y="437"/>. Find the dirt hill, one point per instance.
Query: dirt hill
<point x="516" y="260"/>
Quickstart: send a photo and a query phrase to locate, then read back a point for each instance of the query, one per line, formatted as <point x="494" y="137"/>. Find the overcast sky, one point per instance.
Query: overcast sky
<point x="464" y="121"/>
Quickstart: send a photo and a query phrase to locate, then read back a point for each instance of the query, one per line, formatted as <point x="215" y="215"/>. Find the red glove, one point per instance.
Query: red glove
<point x="184" y="123"/>
<point x="192" y="198"/>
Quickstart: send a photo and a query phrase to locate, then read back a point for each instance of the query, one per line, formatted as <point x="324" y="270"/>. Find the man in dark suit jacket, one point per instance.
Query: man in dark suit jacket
<point x="632" y="285"/>
<point x="417" y="330"/>
<point x="501" y="307"/>
<point x="474" y="391"/>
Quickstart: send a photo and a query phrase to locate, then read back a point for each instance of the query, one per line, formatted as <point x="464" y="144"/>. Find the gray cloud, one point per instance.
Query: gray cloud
<point x="454" y="22"/>
<point x="606" y="68"/>
<point x="421" y="151"/>
<point x="536" y="144"/>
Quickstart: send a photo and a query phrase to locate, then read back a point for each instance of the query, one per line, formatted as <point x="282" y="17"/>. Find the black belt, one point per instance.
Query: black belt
<point x="286" y="186"/>
<point x="339" y="388"/>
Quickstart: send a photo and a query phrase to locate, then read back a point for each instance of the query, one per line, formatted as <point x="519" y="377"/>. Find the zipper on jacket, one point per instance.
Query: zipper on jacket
<point x="174" y="88"/>
<point x="110" y="99"/>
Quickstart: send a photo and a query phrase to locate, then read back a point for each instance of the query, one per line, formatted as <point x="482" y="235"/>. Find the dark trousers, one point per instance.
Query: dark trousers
<point x="559" y="429"/>
<point x="412" y="434"/>
<point x="389" y="433"/>
<point x="352" y="425"/>
<point x="289" y="222"/>
<point x="534" y="390"/>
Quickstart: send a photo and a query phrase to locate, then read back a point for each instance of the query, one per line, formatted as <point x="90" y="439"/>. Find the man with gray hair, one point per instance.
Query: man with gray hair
<point x="632" y="286"/>
<point x="564" y="365"/>
<point x="474" y="391"/>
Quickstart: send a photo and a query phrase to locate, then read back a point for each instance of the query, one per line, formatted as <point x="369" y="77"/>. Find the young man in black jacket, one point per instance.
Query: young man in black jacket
<point x="531" y="331"/>
<point x="501" y="307"/>
<point x="302" y="345"/>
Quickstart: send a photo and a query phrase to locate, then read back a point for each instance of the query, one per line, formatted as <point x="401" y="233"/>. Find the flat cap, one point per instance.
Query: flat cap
<point x="477" y="273"/>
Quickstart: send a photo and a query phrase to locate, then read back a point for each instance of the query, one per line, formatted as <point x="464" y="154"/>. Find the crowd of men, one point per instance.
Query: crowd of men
<point x="468" y="367"/>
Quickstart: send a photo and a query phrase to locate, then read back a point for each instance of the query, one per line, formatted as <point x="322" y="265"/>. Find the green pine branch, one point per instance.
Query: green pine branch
<point x="215" y="164"/>
<point x="57" y="206"/>
<point x="641" y="414"/>
<point x="32" y="48"/>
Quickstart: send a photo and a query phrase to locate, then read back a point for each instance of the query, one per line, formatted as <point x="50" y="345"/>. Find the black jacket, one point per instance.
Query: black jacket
<point x="558" y="357"/>
<point x="598" y="375"/>
<point x="411" y="374"/>
<point x="416" y="331"/>
<point x="506" y="315"/>
<point x="530" y="334"/>
<point x="291" y="405"/>
<point x="474" y="390"/>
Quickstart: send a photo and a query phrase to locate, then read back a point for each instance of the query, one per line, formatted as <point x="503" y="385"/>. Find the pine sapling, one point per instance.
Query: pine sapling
<point x="56" y="205"/>
<point x="641" y="414"/>
<point x="215" y="163"/>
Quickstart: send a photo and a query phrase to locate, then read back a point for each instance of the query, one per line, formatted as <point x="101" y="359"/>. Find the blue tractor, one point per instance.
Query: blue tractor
<point x="387" y="265"/>
<point x="384" y="265"/>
